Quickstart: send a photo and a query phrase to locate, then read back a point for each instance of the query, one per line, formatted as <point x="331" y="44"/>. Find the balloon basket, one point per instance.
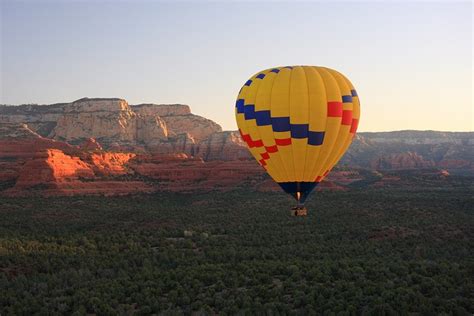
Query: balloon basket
<point x="299" y="211"/>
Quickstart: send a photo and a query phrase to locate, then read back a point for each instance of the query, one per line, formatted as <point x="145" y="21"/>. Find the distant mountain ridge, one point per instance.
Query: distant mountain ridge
<point x="106" y="146"/>
<point x="420" y="137"/>
<point x="412" y="149"/>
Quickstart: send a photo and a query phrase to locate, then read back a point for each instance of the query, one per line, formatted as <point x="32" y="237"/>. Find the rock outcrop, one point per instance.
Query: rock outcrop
<point x="226" y="145"/>
<point x="49" y="168"/>
<point x="116" y="125"/>
<point x="31" y="164"/>
<point x="90" y="144"/>
<point x="106" y="146"/>
<point x="108" y="121"/>
<point x="411" y="149"/>
<point x="179" y="120"/>
<point x="408" y="160"/>
<point x="41" y="119"/>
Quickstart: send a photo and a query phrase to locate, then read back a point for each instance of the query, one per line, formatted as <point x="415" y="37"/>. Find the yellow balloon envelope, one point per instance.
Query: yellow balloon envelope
<point x="298" y="121"/>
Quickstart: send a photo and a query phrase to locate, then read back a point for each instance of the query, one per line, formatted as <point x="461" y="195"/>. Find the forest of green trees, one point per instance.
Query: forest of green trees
<point x="359" y="252"/>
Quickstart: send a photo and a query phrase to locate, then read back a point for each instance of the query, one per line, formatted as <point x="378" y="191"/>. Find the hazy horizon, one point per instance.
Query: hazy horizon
<point x="411" y="63"/>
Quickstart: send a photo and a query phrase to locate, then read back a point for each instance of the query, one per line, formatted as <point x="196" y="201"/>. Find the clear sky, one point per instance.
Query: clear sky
<point x="411" y="62"/>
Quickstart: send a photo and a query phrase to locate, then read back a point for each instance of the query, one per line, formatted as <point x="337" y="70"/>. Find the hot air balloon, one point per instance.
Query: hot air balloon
<point x="298" y="121"/>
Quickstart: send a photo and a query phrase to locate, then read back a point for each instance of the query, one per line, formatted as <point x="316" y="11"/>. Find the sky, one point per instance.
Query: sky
<point x="411" y="62"/>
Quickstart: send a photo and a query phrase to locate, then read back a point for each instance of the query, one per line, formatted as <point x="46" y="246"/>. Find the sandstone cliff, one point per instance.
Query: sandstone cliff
<point x="40" y="118"/>
<point x="106" y="146"/>
<point x="116" y="125"/>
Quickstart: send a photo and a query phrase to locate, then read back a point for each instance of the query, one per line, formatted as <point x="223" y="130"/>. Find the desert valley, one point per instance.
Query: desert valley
<point x="108" y="208"/>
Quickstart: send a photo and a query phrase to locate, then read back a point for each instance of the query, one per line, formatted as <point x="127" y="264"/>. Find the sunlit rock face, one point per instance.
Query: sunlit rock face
<point x="109" y="121"/>
<point x="33" y="165"/>
<point x="114" y="123"/>
<point x="103" y="146"/>
<point x="108" y="147"/>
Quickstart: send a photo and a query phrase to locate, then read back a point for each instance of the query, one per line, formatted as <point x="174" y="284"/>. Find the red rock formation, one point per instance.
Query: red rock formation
<point x="90" y="144"/>
<point x="110" y="163"/>
<point x="114" y="122"/>
<point x="330" y="185"/>
<point x="194" y="174"/>
<point x="49" y="168"/>
<point x="151" y="147"/>
<point x="223" y="146"/>
<point x="343" y="177"/>
<point x="408" y="160"/>
<point x="43" y="166"/>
